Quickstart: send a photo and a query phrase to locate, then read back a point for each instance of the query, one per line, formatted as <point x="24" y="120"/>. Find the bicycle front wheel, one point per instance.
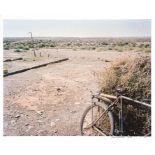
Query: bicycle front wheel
<point x="97" y="121"/>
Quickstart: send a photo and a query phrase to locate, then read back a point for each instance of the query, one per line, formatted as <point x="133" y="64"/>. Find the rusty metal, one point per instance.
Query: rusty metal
<point x="34" y="67"/>
<point x="8" y="60"/>
<point x="117" y="105"/>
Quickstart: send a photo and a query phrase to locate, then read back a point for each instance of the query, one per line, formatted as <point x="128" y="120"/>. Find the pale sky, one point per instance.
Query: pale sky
<point x="77" y="28"/>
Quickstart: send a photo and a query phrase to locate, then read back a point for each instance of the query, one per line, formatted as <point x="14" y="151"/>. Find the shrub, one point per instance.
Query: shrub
<point x="134" y="44"/>
<point x="26" y="48"/>
<point x="69" y="44"/>
<point x="133" y="74"/>
<point x="120" y="50"/>
<point x="147" y="45"/>
<point x="18" y="50"/>
<point x="52" y="45"/>
<point x="31" y="46"/>
<point x="20" y="47"/>
<point x="41" y="45"/>
<point x="5" y="71"/>
<point x="74" y="49"/>
<point x="126" y="43"/>
<point x="120" y="44"/>
<point x="6" y="48"/>
<point x="100" y="49"/>
<point x="141" y="45"/>
<point x="78" y="44"/>
<point x="104" y="43"/>
<point x="93" y="48"/>
<point x="148" y="50"/>
<point x="110" y="48"/>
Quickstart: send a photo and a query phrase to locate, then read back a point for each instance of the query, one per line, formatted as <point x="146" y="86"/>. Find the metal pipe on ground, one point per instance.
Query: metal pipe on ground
<point x="7" y="60"/>
<point x="34" y="67"/>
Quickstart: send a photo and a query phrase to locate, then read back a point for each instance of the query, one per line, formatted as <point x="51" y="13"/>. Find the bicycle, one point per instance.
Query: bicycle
<point x="119" y="115"/>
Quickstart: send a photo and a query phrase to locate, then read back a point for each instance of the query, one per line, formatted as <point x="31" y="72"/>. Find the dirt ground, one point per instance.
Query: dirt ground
<point x="50" y="100"/>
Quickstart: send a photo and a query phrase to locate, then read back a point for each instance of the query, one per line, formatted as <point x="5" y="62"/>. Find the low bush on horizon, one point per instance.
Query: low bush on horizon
<point x="19" y="50"/>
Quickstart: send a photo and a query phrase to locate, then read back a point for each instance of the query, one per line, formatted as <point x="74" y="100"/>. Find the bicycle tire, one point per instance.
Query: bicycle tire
<point x="103" y="106"/>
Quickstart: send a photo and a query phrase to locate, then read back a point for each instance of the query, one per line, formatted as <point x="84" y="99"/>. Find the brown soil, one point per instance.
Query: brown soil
<point x="50" y="100"/>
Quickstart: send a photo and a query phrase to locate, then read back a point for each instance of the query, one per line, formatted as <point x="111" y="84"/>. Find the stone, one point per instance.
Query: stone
<point x="13" y="121"/>
<point x="40" y="112"/>
<point x="55" y="131"/>
<point x="74" y="111"/>
<point x="58" y="89"/>
<point x="57" y="120"/>
<point x="52" y="124"/>
<point x="17" y="116"/>
<point x="40" y="121"/>
<point x="107" y="61"/>
<point x="29" y="128"/>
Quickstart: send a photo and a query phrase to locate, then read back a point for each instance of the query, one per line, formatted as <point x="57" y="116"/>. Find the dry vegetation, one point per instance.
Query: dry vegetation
<point x="133" y="74"/>
<point x="86" y="56"/>
<point x="97" y="44"/>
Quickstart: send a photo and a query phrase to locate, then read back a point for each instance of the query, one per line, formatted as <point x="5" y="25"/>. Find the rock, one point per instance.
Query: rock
<point x="107" y="61"/>
<point x="17" y="116"/>
<point x="13" y="121"/>
<point x="27" y="124"/>
<point x="52" y="124"/>
<point x="55" y="131"/>
<point x="29" y="128"/>
<point x="57" y="120"/>
<point x="77" y="103"/>
<point x="40" y="121"/>
<point x="39" y="131"/>
<point x="74" y="111"/>
<point x="35" y="89"/>
<point x="40" y="112"/>
<point x="58" y="89"/>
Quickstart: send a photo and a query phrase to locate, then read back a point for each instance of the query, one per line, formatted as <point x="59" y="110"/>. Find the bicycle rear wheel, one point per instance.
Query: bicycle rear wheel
<point x="97" y="121"/>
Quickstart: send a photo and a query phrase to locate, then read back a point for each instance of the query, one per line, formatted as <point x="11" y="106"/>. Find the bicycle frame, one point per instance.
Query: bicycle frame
<point x="136" y="101"/>
<point x="121" y="109"/>
<point x="117" y="101"/>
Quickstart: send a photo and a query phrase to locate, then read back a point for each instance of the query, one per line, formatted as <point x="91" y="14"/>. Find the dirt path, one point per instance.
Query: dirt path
<point x="51" y="100"/>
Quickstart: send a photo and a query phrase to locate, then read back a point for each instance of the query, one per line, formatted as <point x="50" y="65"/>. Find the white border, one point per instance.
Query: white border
<point x="79" y="9"/>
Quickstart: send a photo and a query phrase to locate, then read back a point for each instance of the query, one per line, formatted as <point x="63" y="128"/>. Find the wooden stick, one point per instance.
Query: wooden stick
<point x="108" y="96"/>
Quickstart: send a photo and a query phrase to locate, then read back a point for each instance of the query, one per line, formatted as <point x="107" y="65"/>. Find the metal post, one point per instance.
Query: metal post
<point x="122" y="115"/>
<point x="32" y="44"/>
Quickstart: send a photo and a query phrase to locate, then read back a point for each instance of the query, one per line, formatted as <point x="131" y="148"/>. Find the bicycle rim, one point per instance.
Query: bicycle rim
<point x="96" y="121"/>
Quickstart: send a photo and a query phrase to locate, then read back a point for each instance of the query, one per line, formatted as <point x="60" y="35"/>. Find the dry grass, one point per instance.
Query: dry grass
<point x="134" y="74"/>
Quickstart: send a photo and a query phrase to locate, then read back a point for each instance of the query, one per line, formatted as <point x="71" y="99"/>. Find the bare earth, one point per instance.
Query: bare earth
<point x="50" y="100"/>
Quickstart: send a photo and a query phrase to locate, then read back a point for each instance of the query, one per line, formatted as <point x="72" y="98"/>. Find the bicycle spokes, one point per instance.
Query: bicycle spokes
<point x="97" y="122"/>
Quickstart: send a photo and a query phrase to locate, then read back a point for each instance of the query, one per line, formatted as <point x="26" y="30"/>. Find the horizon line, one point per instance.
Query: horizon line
<point x="76" y="37"/>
